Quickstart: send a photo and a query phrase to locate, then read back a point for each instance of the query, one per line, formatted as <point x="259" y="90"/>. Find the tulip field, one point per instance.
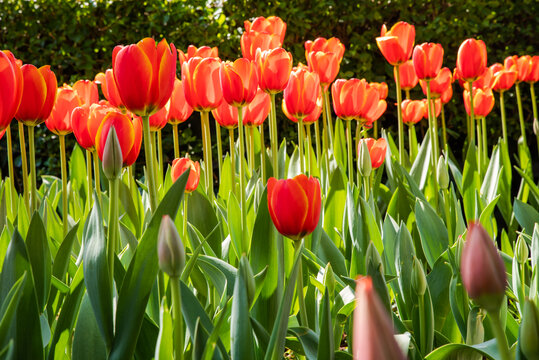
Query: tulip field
<point x="348" y="241"/>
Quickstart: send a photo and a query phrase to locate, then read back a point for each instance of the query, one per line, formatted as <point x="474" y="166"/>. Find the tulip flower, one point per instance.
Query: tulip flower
<point x="273" y="69"/>
<point x="377" y="110"/>
<point x="447" y="94"/>
<point x="109" y="88"/>
<point x="483" y="102"/>
<point x="87" y="91"/>
<point x="529" y="330"/>
<point x="471" y="60"/>
<point x="226" y="115"/>
<point x="408" y="77"/>
<point x="11" y="90"/>
<point x="331" y="45"/>
<point x="413" y="111"/>
<point x="178" y="111"/>
<point x="503" y="79"/>
<point x="239" y="82"/>
<point x="348" y="96"/>
<point x="193" y="51"/>
<point x="382" y="89"/>
<point x="38" y="96"/>
<point x="439" y="84"/>
<point x="324" y="57"/>
<point x="309" y="119"/>
<point x="437" y="107"/>
<point x="427" y="59"/>
<point x="373" y="329"/>
<point x="257" y="110"/>
<point x="179" y="165"/>
<point x="533" y="74"/>
<point x="294" y="205"/>
<point x="59" y="120"/>
<point x="158" y="120"/>
<point x="202" y="87"/>
<point x="397" y="43"/>
<point x="252" y="41"/>
<point x="272" y="25"/>
<point x="301" y="92"/>
<point x="377" y="150"/>
<point x="522" y="65"/>
<point x="2" y="133"/>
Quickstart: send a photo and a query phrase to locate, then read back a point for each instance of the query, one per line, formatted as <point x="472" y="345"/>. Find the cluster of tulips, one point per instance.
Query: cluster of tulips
<point x="143" y="93"/>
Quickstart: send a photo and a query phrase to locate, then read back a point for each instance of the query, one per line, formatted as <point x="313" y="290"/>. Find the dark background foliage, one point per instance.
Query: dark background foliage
<point x="77" y="37"/>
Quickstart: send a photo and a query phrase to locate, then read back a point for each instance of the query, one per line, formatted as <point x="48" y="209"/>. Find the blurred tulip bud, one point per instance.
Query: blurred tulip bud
<point x="329" y="280"/>
<point x="529" y="330"/>
<point x="443" y="175"/>
<point x="245" y="267"/>
<point x="475" y="333"/>
<point x="112" y="156"/>
<point x="419" y="280"/>
<point x="170" y="248"/>
<point x="521" y="250"/>
<point x="536" y="126"/>
<point x="364" y="164"/>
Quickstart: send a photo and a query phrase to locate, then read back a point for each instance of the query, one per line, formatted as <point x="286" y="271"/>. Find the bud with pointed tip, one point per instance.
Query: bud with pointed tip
<point x="419" y="280"/>
<point x="329" y="280"/>
<point x="529" y="330"/>
<point x="442" y="174"/>
<point x="364" y="164"/>
<point x="112" y="155"/>
<point x="521" y="250"/>
<point x="170" y="248"/>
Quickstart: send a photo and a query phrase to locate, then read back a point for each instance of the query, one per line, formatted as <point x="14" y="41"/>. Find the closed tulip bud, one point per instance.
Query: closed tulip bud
<point x="364" y="160"/>
<point x="529" y="330"/>
<point x="112" y="156"/>
<point x="382" y="89"/>
<point x="521" y="250"/>
<point x="329" y="280"/>
<point x="245" y="267"/>
<point x="482" y="269"/>
<point x="419" y="280"/>
<point x="170" y="248"/>
<point x="442" y="174"/>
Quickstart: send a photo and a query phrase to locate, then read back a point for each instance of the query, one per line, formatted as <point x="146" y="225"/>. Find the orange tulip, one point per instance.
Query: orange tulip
<point x="239" y="82"/>
<point x="427" y="59"/>
<point x="533" y="75"/>
<point x="522" y="65"/>
<point x="59" y="120"/>
<point x="193" y="51"/>
<point x="370" y="103"/>
<point x="145" y="75"/>
<point x="200" y="78"/>
<point x="39" y="94"/>
<point x="159" y="119"/>
<point x="273" y="69"/>
<point x="396" y="44"/>
<point x="252" y="40"/>
<point x="447" y="94"/>
<point x="331" y="45"/>
<point x="324" y="57"/>
<point x="375" y="112"/>
<point x="471" y="60"/>
<point x="439" y="84"/>
<point x="85" y="121"/>
<point x="12" y="88"/>
<point x="382" y="89"/>
<point x="294" y="205"/>
<point x="257" y="110"/>
<point x="226" y="115"/>
<point x="87" y="91"/>
<point x="109" y="88"/>
<point x="2" y="133"/>
<point x="347" y="98"/>
<point x="272" y="25"/>
<point x="413" y="111"/>
<point x="483" y="102"/>
<point x="377" y="150"/>
<point x="302" y="92"/>
<point x="437" y="108"/>
<point x="312" y="117"/>
<point x="482" y="269"/>
<point x="178" y="108"/>
<point x="503" y="79"/>
<point x="373" y="329"/>
<point x="129" y="132"/>
<point x="408" y="77"/>
<point x="182" y="164"/>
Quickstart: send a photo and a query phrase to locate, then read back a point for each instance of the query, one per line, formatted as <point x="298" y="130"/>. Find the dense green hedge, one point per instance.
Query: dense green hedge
<point x="77" y="37"/>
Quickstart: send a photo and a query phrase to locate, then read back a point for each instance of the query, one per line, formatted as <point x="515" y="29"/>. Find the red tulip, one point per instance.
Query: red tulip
<point x="38" y="96"/>
<point x="12" y="88"/>
<point x="427" y="59"/>
<point x="471" y="60"/>
<point x="396" y="44"/>
<point x="85" y="121"/>
<point x="182" y="164"/>
<point x="408" y="77"/>
<point x="324" y="58"/>
<point x="482" y="269"/>
<point x="87" y="91"/>
<point x="257" y="110"/>
<point x="439" y="84"/>
<point x="382" y="89"/>
<point x="483" y="102"/>
<point x="109" y="88"/>
<point x="159" y="119"/>
<point x="522" y="65"/>
<point x="178" y="108"/>
<point x="331" y="45"/>
<point x="272" y="25"/>
<point x="370" y="103"/>
<point x="252" y="40"/>
<point x="301" y="93"/>
<point x="413" y="111"/>
<point x="226" y="115"/>
<point x="347" y="98"/>
<point x="437" y="107"/>
<point x="129" y="132"/>
<point x="200" y="78"/>
<point x="59" y="120"/>
<point x="377" y="150"/>
<point x="503" y="79"/>
<point x="145" y="74"/>
<point x="375" y="112"/>
<point x="193" y="51"/>
<point x="294" y="205"/>
<point x="533" y="75"/>
<point x="312" y="117"/>
<point x="273" y="69"/>
<point x="239" y="82"/>
<point x="373" y="329"/>
<point x="447" y="94"/>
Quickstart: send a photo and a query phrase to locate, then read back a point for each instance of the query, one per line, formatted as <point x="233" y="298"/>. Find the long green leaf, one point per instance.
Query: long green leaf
<point x="325" y="343"/>
<point x="432" y="230"/>
<point x="40" y="259"/>
<point x="88" y="342"/>
<point x="241" y="334"/>
<point x="9" y="307"/>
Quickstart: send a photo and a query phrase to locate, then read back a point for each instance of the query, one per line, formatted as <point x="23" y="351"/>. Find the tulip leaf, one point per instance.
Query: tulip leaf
<point x="40" y="259"/>
<point x="526" y="215"/>
<point x="470" y="183"/>
<point x="334" y="205"/>
<point x="432" y="230"/>
<point x="489" y="349"/>
<point x="234" y="225"/>
<point x="339" y="144"/>
<point x="403" y="265"/>
<point x="421" y="168"/>
<point x="308" y="340"/>
<point x="9" y="306"/>
<point x="241" y="334"/>
<point x="88" y="343"/>
<point x="202" y="216"/>
<point x="489" y="188"/>
<point x="325" y="343"/>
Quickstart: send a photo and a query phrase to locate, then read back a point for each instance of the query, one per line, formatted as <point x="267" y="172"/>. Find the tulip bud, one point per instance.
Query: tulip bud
<point x="443" y="175"/>
<point x="482" y="269"/>
<point x="112" y="156"/>
<point x="521" y="250"/>
<point x="536" y="127"/>
<point x="245" y="267"/>
<point x="529" y="330"/>
<point x="170" y="249"/>
<point x="329" y="280"/>
<point x="364" y="164"/>
<point x="419" y="280"/>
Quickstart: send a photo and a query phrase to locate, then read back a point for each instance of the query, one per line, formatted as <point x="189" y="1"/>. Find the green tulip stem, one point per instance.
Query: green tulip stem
<point x="178" y="321"/>
<point x="24" y="165"/>
<point x="208" y="161"/>
<point x="412" y="139"/>
<point x="358" y="137"/>
<point x="148" y="153"/>
<point x="252" y="149"/>
<point x="521" y="115"/>
<point x="309" y="142"/>
<point x="273" y="137"/>
<point x="301" y="144"/>
<point x="262" y="155"/>
<point x="219" y="147"/>
<point x="232" y="160"/>
<point x="242" y="184"/>
<point x="33" y="177"/>
<point x="499" y="333"/>
<point x="327" y="109"/>
<point x="399" y="114"/>
<point x="433" y="142"/>
<point x="159" y="157"/>
<point x="317" y="142"/>
<point x="299" y="286"/>
<point x="471" y="128"/>
<point x="89" y="180"/>
<point x="534" y="108"/>
<point x="184" y="219"/>
<point x="97" y="175"/>
<point x="325" y="140"/>
<point x="10" y="168"/>
<point x="112" y="244"/>
<point x="176" y="141"/>
<point x="375" y="130"/>
<point x="350" y="156"/>
<point x="447" y="211"/>
<point x="479" y="147"/>
<point x="366" y="186"/>
<point x="504" y="121"/>
<point x="63" y="166"/>
<point x="422" y="325"/>
<point x="485" y="142"/>
<point x="444" y="130"/>
<point x="407" y="92"/>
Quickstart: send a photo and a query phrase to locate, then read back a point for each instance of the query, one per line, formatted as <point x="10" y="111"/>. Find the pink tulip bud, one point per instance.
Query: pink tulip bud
<point x="170" y="248"/>
<point x="112" y="155"/>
